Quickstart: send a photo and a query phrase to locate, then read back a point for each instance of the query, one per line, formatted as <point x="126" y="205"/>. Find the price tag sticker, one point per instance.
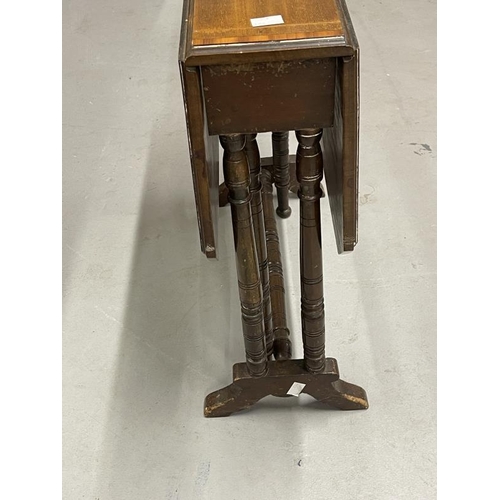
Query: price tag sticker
<point x="266" y="21"/>
<point x="296" y="389"/>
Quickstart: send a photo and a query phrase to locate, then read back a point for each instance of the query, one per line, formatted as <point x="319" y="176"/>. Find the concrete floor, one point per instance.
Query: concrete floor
<point x="151" y="326"/>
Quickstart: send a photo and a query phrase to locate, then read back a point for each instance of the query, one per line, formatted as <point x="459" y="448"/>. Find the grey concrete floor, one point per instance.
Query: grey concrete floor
<point x="151" y="326"/>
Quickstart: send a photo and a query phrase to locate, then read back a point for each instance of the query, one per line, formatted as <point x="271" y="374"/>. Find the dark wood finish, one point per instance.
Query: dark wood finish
<point x="266" y="163"/>
<point x="341" y="144"/>
<point x="238" y="81"/>
<point x="294" y="185"/>
<point x="253" y="157"/>
<point x="345" y="116"/>
<point x="237" y="179"/>
<point x="204" y="153"/>
<point x="223" y="195"/>
<point x="297" y="50"/>
<point x="281" y="172"/>
<point x="309" y="175"/>
<point x="263" y="97"/>
<point x="282" y="348"/>
<point x="246" y="390"/>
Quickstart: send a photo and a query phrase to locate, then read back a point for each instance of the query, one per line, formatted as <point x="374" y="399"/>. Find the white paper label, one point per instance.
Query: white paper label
<point x="296" y="389"/>
<point x="266" y="21"/>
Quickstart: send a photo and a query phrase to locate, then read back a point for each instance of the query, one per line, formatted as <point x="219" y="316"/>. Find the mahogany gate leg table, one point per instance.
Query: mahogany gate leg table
<point x="251" y="66"/>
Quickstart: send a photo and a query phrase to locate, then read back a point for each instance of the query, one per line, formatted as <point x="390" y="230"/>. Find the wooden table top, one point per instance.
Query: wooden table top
<point x="228" y="31"/>
<point x="243" y="21"/>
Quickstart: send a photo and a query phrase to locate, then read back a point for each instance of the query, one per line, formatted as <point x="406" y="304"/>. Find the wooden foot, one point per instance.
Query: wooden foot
<point x="246" y="390"/>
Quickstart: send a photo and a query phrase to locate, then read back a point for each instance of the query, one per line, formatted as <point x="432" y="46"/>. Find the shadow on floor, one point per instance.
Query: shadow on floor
<point x="181" y="335"/>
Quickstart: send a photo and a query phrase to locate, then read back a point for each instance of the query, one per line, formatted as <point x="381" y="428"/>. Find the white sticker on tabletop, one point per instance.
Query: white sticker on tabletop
<point x="266" y="21"/>
<point x="296" y="389"/>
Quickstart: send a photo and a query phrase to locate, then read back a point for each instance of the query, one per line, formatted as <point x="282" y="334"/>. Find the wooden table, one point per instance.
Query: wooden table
<point x="250" y="66"/>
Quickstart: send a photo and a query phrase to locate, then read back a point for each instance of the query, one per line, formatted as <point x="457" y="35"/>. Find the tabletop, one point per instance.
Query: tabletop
<point x="227" y="21"/>
<point x="228" y="31"/>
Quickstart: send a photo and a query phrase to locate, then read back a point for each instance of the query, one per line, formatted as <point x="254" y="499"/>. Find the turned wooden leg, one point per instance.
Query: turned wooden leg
<point x="309" y="175"/>
<point x="237" y="179"/>
<point x="282" y="344"/>
<point x="253" y="157"/>
<point x="281" y="172"/>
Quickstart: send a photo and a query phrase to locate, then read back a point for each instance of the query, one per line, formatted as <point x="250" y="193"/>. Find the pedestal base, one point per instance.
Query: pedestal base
<point x="246" y="390"/>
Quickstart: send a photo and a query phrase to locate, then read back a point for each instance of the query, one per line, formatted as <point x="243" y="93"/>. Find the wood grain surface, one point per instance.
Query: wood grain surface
<point x="204" y="155"/>
<point x="228" y="21"/>
<point x="341" y="155"/>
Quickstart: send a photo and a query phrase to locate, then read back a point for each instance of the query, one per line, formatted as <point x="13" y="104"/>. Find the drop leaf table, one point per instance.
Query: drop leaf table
<point x="251" y="66"/>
